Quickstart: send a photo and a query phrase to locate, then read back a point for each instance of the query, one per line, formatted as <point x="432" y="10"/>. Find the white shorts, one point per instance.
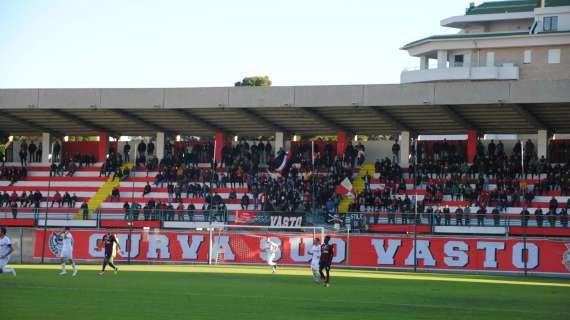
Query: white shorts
<point x="270" y="259"/>
<point x="66" y="253"/>
<point x="4" y="262"/>
<point x="315" y="265"/>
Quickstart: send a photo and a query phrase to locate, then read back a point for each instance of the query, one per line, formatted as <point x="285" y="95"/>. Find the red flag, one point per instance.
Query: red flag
<point x="345" y="188"/>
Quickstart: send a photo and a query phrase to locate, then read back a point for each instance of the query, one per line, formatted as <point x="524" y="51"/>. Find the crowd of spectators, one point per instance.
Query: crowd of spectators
<point x="445" y="172"/>
<point x="13" y="174"/>
<point x="34" y="199"/>
<point x="69" y="165"/>
<point x="308" y="181"/>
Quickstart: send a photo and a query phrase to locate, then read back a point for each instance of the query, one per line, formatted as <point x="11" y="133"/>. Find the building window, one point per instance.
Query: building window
<point x="458" y="60"/>
<point x="550" y="24"/>
<point x="527" y="56"/>
<point x="490" y="59"/>
<point x="553" y="56"/>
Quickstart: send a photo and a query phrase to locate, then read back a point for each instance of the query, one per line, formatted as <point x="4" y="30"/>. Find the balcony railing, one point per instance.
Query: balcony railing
<point x="502" y="72"/>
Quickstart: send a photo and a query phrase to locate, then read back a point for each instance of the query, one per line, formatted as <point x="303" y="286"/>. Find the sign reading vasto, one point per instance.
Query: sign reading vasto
<point x="469" y="254"/>
<point x="286" y="221"/>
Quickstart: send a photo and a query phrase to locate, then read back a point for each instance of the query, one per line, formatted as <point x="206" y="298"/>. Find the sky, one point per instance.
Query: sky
<point x="213" y="43"/>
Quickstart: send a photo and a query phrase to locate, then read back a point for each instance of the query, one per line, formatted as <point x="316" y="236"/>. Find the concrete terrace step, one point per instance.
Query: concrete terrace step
<point x="42" y="208"/>
<point x="145" y="199"/>
<point x="58" y="184"/>
<point x="43" y="188"/>
<point x="46" y="167"/>
<point x="164" y="195"/>
<point x="410" y="181"/>
<point x="119" y="205"/>
<point x="64" y="179"/>
<point x="80" y="194"/>
<point x="125" y="187"/>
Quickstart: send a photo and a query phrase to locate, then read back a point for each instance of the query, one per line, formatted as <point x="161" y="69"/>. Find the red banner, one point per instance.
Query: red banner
<point x="244" y="217"/>
<point x="468" y="254"/>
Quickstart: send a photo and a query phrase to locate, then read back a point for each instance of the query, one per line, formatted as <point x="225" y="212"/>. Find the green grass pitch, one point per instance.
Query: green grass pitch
<point x="236" y="292"/>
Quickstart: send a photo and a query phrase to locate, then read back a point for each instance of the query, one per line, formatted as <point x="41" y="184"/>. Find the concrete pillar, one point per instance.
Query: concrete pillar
<point x="103" y="146"/>
<point x="279" y="141"/>
<point x="46" y="147"/>
<point x="442" y="59"/>
<point x="471" y="145"/>
<point x="218" y="146"/>
<point x="542" y="144"/>
<point x="424" y="63"/>
<point x="159" y="145"/>
<point x="404" y="149"/>
<point x="340" y="143"/>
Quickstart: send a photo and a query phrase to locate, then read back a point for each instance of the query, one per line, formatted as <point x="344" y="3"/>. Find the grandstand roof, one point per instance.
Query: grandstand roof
<point x="522" y="106"/>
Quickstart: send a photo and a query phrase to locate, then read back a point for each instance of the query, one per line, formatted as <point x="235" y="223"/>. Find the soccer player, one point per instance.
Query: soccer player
<point x="111" y="245"/>
<point x="325" y="261"/>
<point x="5" y="251"/>
<point x="271" y="250"/>
<point x="67" y="251"/>
<point x="316" y="253"/>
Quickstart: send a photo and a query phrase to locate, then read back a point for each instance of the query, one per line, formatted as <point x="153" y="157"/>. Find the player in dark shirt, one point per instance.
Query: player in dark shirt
<point x="327" y="254"/>
<point x="109" y="241"/>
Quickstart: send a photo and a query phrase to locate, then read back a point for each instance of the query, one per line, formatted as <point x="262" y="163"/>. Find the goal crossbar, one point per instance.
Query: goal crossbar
<point x="212" y="256"/>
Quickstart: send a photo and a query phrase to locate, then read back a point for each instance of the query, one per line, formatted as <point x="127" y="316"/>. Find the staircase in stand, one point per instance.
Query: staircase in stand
<point x="103" y="193"/>
<point x="357" y="186"/>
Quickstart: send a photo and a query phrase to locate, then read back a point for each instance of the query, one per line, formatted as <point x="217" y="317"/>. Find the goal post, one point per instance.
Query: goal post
<point x="247" y="244"/>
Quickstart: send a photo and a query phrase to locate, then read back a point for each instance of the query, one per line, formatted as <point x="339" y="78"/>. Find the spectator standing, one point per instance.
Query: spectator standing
<point x="396" y="152"/>
<point x="126" y="152"/>
<point x="150" y="148"/>
<point x="85" y="210"/>
<point x="56" y="151"/>
<point x="32" y="151"/>
<point x="141" y="148"/>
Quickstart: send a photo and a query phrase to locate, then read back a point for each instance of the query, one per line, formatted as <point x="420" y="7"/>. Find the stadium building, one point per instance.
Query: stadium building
<point x="505" y="76"/>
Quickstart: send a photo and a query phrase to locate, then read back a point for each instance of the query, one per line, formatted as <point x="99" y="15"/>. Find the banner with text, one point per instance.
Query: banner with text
<point x="454" y="253"/>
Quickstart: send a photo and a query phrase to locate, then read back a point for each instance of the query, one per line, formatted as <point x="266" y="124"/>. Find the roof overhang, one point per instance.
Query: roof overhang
<point x="485" y="40"/>
<point x="461" y="21"/>
<point x="422" y="108"/>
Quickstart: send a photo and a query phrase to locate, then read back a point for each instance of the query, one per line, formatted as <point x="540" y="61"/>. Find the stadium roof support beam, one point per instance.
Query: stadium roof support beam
<point x="83" y="122"/>
<point x="207" y="124"/>
<point x="30" y="124"/>
<point x="326" y="121"/>
<point x="528" y="116"/>
<point x="139" y="120"/>
<point x="387" y="117"/>
<point x="459" y="119"/>
<point x="256" y="117"/>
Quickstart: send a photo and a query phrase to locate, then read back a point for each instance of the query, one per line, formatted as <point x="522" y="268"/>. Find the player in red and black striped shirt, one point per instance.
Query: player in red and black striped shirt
<point x="327" y="254"/>
<point x="111" y="246"/>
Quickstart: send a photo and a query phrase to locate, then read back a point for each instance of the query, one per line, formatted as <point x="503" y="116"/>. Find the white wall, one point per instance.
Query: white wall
<point x="377" y="149"/>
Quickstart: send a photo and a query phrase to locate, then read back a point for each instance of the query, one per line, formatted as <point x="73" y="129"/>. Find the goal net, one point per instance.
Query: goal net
<point x="255" y="245"/>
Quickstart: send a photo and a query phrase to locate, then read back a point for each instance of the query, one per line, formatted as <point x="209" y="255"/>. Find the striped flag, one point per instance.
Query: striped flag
<point x="345" y="188"/>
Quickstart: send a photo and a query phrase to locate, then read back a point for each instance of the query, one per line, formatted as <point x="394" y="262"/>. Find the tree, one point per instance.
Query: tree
<point x="255" y="81"/>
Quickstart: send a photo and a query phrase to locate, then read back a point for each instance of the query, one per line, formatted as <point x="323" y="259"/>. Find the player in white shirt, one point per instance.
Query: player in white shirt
<point x="271" y="250"/>
<point x="316" y="255"/>
<point x="5" y="251"/>
<point x="66" y="253"/>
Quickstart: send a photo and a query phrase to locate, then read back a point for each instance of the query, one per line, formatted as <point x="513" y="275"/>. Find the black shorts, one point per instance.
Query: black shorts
<point x="109" y="256"/>
<point x="324" y="265"/>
